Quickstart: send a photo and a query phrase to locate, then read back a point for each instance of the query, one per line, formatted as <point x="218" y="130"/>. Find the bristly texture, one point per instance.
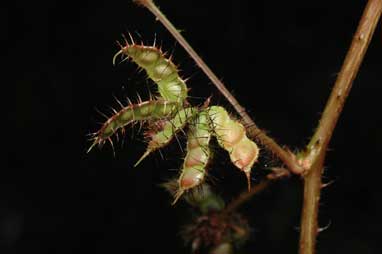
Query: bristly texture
<point x="147" y="110"/>
<point x="197" y="157"/>
<point x="231" y="136"/>
<point x="170" y="113"/>
<point x="162" y="132"/>
<point x="160" y="69"/>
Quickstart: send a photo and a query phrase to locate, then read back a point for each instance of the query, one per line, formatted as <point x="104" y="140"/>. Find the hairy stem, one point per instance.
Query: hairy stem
<point x="316" y="149"/>
<point x="286" y="156"/>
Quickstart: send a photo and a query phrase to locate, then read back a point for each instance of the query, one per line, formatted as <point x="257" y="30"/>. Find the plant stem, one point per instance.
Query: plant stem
<point x="286" y="156"/>
<point x="278" y="173"/>
<point x="316" y="149"/>
<point x="245" y="196"/>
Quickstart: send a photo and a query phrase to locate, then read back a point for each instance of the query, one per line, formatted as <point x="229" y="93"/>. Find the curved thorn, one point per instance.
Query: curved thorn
<point x="116" y="55"/>
<point x="319" y="230"/>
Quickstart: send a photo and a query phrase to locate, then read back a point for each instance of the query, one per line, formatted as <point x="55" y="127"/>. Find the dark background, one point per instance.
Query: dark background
<point x="280" y="58"/>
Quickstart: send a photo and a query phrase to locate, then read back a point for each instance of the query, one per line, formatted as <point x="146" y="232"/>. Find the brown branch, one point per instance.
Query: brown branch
<point x="316" y="149"/>
<point x="245" y="196"/>
<point x="277" y="173"/>
<point x="286" y="156"/>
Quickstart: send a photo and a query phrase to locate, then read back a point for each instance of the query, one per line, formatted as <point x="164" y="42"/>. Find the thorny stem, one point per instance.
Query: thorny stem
<point x="286" y="156"/>
<point x="316" y="149"/>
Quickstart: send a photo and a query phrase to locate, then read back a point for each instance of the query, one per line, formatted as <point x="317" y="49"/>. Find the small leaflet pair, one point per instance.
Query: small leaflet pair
<point x="170" y="113"/>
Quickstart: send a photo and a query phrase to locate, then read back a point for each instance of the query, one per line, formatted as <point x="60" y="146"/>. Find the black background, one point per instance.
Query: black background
<point x="280" y="58"/>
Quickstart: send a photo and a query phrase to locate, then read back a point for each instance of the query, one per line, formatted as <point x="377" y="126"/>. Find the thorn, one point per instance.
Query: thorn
<point x="139" y="98"/>
<point x="118" y="101"/>
<point x="324" y="185"/>
<point x="129" y="102"/>
<point x="116" y="55"/>
<point x="123" y="132"/>
<point x="151" y="96"/>
<point x="119" y="44"/>
<point x="155" y="39"/>
<point x="178" y="194"/>
<point x="185" y="80"/>
<point x="125" y="39"/>
<point x="248" y="175"/>
<point x="114" y="111"/>
<point x="140" y="70"/>
<point x="91" y="135"/>
<point x="161" y="155"/>
<point x="112" y="145"/>
<point x="141" y="123"/>
<point x="207" y="102"/>
<point x="116" y="136"/>
<point x="125" y="59"/>
<point x="319" y="230"/>
<point x="132" y="128"/>
<point x="131" y="38"/>
<point x="91" y="147"/>
<point x="102" y="114"/>
<point x="143" y="157"/>
<point x="139" y="35"/>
